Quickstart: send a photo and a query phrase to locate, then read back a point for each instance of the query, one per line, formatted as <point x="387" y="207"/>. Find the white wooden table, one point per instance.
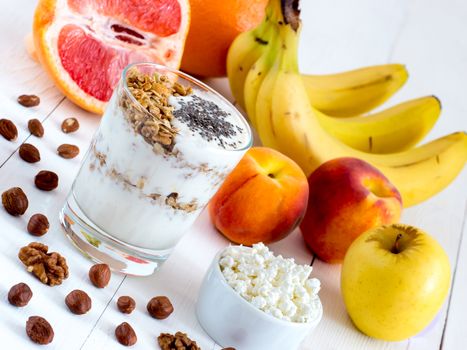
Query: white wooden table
<point x="427" y="35"/>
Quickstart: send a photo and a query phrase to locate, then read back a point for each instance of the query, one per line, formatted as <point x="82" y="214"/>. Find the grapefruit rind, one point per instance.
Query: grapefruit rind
<point x="52" y="16"/>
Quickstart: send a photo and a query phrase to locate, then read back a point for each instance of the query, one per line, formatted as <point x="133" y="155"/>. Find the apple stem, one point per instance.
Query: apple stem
<point x="395" y="249"/>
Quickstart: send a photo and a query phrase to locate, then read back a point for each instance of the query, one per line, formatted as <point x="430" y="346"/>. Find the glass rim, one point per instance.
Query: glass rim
<point x="194" y="81"/>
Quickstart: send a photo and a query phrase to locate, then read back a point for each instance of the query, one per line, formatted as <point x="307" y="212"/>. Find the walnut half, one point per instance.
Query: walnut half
<point x="49" y="268"/>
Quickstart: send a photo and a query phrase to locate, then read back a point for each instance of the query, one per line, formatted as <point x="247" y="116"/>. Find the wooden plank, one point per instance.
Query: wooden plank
<point x="337" y="37"/>
<point x="47" y="301"/>
<point x="20" y="74"/>
<point x="179" y="279"/>
<point x="430" y="45"/>
<point x="454" y="334"/>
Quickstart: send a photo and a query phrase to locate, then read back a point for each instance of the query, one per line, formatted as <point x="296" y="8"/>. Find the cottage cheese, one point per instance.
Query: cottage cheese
<point x="273" y="284"/>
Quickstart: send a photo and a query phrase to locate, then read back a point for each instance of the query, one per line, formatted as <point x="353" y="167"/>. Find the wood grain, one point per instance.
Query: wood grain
<point x="337" y="35"/>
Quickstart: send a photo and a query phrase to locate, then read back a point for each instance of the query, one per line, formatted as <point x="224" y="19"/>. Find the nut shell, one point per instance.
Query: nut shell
<point x="19" y="295"/>
<point x="126" y="304"/>
<point x="68" y="151"/>
<point x="125" y="334"/>
<point x="46" y="180"/>
<point x="99" y="275"/>
<point x="70" y="125"/>
<point x="35" y="127"/>
<point x="15" y="201"/>
<point x="38" y="225"/>
<point x="49" y="268"/>
<point x="8" y="129"/>
<point x="160" y="307"/>
<point x="78" y="302"/>
<point x="39" y="330"/>
<point x="29" y="153"/>
<point x="29" y="100"/>
<point x="177" y="341"/>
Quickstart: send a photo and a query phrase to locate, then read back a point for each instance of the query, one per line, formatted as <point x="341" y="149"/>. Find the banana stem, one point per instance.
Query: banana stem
<point x="291" y="13"/>
<point x="289" y="48"/>
<point x="274" y="12"/>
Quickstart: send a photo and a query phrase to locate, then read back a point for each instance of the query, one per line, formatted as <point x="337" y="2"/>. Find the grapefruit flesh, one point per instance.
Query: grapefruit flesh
<point x="85" y="44"/>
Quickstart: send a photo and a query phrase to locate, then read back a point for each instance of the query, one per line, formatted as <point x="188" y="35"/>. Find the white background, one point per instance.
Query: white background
<point x="429" y="36"/>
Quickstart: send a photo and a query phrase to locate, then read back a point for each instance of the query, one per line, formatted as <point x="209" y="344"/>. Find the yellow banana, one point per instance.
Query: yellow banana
<point x="244" y="51"/>
<point x="288" y="122"/>
<point x="392" y="130"/>
<point x="354" y="92"/>
<point x="255" y="77"/>
<point x="342" y="94"/>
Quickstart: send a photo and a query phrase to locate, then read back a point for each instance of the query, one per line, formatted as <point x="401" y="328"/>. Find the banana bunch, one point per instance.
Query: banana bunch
<point x="290" y="111"/>
<point x="348" y="94"/>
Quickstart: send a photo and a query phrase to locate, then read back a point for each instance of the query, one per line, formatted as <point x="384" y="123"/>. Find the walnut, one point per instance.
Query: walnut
<point x="179" y="341"/>
<point x="172" y="201"/>
<point x="49" y="268"/>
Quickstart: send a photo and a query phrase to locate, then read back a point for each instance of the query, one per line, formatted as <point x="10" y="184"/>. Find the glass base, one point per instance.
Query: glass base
<point x="101" y="247"/>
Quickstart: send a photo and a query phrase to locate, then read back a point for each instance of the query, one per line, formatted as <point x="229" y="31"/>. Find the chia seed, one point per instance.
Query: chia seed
<point x="208" y="120"/>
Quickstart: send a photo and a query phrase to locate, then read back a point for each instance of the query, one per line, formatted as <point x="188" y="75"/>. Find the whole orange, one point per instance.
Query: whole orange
<point x="214" y="25"/>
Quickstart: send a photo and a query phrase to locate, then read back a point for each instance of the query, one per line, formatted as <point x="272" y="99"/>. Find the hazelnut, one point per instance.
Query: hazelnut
<point x="38" y="225"/>
<point x="29" y="100"/>
<point x="70" y="125"/>
<point x="35" y="127"/>
<point x="29" y="153"/>
<point x="125" y="334"/>
<point x="126" y="304"/>
<point x="68" y="151"/>
<point x="46" y="180"/>
<point x="14" y="201"/>
<point x="8" y="129"/>
<point x="19" y="295"/>
<point x="160" y="307"/>
<point x="78" y="302"/>
<point x="99" y="275"/>
<point x="39" y="330"/>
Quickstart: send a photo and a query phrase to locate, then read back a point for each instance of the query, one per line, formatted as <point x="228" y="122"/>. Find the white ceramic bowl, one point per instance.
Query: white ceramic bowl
<point x="233" y="322"/>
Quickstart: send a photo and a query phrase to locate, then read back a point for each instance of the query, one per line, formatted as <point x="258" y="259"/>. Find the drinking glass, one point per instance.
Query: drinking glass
<point x="133" y="200"/>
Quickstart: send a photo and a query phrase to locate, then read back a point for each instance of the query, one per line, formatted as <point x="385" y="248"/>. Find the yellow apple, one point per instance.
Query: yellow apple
<point x="394" y="280"/>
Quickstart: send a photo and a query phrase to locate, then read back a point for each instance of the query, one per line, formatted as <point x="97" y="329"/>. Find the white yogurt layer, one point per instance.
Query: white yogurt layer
<point x="123" y="184"/>
<point x="275" y="285"/>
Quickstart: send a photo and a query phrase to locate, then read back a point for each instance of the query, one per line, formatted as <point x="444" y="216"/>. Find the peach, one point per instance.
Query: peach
<point x="347" y="197"/>
<point x="262" y="200"/>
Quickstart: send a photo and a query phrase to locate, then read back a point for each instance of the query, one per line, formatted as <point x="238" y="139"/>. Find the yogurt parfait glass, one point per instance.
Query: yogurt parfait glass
<point x="164" y="146"/>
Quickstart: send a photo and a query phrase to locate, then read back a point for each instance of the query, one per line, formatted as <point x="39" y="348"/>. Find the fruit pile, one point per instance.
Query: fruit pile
<point x="344" y="172"/>
<point x="301" y="116"/>
<point x="85" y="45"/>
<point x="362" y="168"/>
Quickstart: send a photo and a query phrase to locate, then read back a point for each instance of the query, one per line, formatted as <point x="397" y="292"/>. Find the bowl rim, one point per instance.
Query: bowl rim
<point x="195" y="82"/>
<point x="217" y="268"/>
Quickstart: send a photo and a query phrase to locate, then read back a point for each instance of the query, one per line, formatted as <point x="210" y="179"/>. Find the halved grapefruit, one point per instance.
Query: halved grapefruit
<point x="85" y="44"/>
